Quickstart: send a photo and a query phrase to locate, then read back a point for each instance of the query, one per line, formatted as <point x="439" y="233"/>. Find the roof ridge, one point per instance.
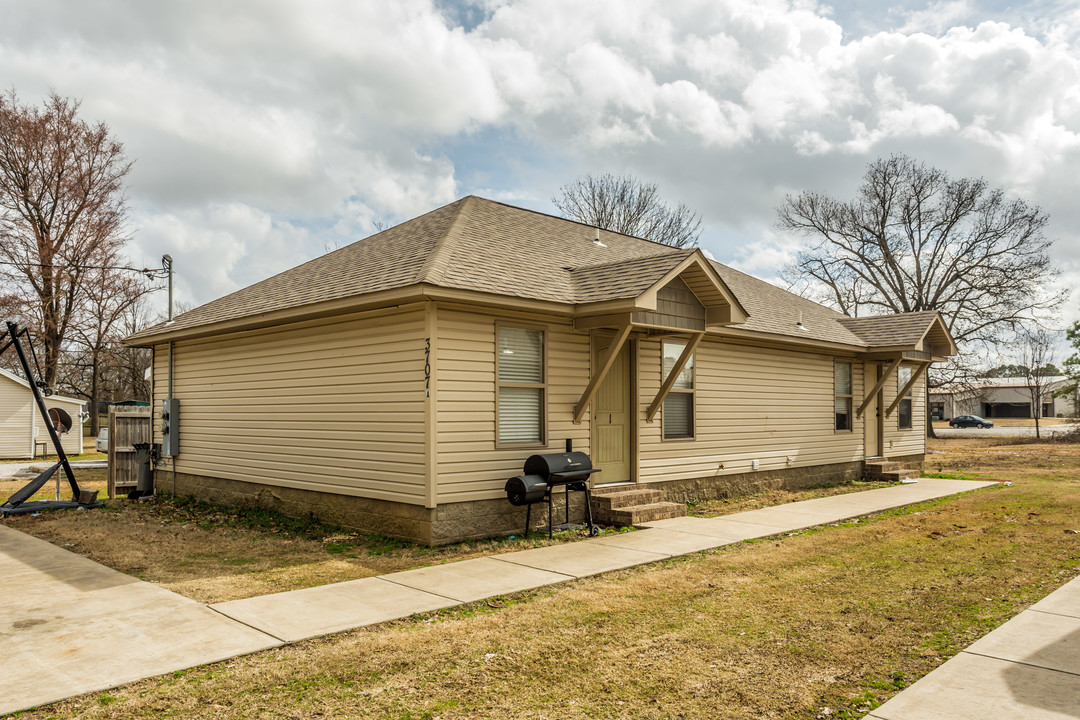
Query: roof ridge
<point x="434" y="268"/>
<point x="681" y="252"/>
<point x="909" y="313"/>
<point x="576" y="222"/>
<point x="794" y="295"/>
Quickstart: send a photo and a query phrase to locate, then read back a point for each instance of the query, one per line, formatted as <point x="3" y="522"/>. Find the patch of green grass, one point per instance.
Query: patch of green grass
<point x="950" y="475"/>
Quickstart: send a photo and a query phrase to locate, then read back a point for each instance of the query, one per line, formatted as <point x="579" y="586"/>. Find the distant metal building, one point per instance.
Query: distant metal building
<point x="1001" y="398"/>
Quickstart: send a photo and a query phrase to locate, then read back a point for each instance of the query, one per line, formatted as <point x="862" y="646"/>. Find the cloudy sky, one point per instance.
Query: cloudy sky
<point x="266" y="132"/>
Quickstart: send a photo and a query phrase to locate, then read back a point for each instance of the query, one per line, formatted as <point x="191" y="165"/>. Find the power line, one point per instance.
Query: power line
<point x="154" y="272"/>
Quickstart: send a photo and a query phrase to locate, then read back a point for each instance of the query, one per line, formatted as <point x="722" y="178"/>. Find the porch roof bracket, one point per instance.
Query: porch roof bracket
<point x="669" y="381"/>
<point x="601" y="372"/>
<point x="904" y="390"/>
<point x="880" y="384"/>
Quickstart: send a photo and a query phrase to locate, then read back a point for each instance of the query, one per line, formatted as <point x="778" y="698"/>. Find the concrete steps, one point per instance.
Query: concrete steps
<point x="889" y="471"/>
<point x="632" y="505"/>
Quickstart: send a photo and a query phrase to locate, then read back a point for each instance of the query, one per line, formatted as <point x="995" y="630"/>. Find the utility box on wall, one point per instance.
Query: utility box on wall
<point x="170" y="427"/>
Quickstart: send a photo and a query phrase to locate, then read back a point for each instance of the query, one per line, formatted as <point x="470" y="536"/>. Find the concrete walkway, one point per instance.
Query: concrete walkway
<point x="290" y="616"/>
<point x="30" y="469"/>
<point x="1028" y="668"/>
<point x="72" y="626"/>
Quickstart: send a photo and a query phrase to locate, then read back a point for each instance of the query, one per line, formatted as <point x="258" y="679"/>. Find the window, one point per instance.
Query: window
<point x="679" y="403"/>
<point x="520" y="367"/>
<point x="903" y="375"/>
<point x="843" y="395"/>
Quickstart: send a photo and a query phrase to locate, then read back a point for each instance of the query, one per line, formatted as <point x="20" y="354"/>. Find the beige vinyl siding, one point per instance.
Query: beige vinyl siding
<point x="336" y="405"/>
<point x="159" y="376"/>
<point x="906" y="442"/>
<point x="16" y="419"/>
<point x="750" y="404"/>
<point x="470" y="467"/>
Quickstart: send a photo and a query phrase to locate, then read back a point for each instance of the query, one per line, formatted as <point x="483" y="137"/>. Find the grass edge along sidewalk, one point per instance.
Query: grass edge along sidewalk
<point x="341" y="606"/>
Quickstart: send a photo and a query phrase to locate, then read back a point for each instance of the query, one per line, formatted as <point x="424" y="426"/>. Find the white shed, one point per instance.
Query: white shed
<point x="21" y="425"/>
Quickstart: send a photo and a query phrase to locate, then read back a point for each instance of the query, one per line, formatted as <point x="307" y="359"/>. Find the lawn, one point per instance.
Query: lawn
<point x="88" y="454"/>
<point x="213" y="554"/>
<point x="825" y="623"/>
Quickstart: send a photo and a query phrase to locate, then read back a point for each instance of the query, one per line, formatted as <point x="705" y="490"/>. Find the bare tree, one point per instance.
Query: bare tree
<point x="915" y="239"/>
<point x="624" y="204"/>
<point x="108" y="297"/>
<point x="1037" y="357"/>
<point x="61" y="205"/>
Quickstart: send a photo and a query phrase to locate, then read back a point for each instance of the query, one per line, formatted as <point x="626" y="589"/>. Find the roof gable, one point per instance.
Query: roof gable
<point x="12" y="377"/>
<point x="924" y="330"/>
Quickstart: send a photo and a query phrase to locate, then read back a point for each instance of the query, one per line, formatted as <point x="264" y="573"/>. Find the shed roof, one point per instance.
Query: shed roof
<point x="481" y="245"/>
<point x="6" y="374"/>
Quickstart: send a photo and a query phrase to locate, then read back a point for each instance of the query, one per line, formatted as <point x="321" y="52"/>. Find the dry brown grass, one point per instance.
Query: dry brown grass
<point x="770" y="498"/>
<point x="214" y="554"/>
<point x="780" y="628"/>
<point x="90" y="479"/>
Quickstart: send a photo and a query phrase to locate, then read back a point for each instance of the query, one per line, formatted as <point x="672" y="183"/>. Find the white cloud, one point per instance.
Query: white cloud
<point x="264" y="129"/>
<point x="937" y="17"/>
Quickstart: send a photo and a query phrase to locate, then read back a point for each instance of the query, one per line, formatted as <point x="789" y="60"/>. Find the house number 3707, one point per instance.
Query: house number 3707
<point x="427" y="367"/>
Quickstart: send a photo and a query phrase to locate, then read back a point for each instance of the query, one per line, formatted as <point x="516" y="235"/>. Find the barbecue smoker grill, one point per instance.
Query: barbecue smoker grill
<point x="542" y="474"/>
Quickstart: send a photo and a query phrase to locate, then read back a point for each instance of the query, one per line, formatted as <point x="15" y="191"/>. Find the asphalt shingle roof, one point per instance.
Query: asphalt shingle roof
<point x="487" y="246"/>
<point x="884" y="330"/>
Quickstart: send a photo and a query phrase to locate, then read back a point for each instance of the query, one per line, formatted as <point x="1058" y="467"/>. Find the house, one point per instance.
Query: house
<point x="1008" y="397"/>
<point x="395" y="384"/>
<point x="23" y="433"/>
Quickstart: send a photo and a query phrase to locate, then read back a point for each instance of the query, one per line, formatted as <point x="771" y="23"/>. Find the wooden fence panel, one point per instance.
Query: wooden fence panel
<point x="127" y="425"/>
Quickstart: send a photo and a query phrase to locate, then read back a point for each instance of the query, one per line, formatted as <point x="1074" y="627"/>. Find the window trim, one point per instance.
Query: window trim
<point x="542" y="385"/>
<point x="849" y="396"/>
<point x="909" y="399"/>
<point x="691" y="391"/>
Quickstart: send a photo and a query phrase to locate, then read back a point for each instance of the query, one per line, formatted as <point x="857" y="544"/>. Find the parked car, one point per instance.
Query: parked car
<point x="102" y="442"/>
<point x="966" y="421"/>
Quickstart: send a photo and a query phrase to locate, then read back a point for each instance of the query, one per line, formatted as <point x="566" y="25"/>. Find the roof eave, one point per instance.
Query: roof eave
<point x="357" y="303"/>
<point x="782" y="339"/>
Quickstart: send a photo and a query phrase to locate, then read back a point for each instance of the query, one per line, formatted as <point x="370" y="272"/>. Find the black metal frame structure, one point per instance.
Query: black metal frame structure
<point x="17" y="504"/>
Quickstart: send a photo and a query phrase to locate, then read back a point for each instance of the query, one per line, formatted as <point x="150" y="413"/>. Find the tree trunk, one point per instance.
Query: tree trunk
<point x="95" y="423"/>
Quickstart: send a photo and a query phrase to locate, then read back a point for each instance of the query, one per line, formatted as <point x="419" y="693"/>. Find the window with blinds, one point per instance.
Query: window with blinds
<point x="678" y="417"/>
<point x="520" y="368"/>
<point x="903" y="417"/>
<point x="842" y="395"/>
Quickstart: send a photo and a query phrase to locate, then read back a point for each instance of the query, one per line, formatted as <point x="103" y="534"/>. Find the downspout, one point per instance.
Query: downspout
<point x="172" y="460"/>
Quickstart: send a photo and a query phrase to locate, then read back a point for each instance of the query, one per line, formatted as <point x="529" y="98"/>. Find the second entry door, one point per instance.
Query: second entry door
<point x="611" y="416"/>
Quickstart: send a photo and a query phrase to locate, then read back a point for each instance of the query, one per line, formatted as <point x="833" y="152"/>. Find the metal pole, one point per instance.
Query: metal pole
<point x="166" y="262"/>
<point x="13" y="329"/>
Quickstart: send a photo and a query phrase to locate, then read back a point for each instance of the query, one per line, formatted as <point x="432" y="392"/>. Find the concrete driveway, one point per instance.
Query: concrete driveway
<point x="1000" y="431"/>
<point x="71" y="626"/>
<point x="30" y="469"/>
